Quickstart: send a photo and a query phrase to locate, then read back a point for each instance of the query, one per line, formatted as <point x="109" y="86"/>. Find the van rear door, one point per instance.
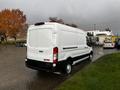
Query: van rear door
<point x="39" y="44"/>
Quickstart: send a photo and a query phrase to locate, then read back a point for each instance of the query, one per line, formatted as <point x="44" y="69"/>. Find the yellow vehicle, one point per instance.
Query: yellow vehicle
<point x="109" y="42"/>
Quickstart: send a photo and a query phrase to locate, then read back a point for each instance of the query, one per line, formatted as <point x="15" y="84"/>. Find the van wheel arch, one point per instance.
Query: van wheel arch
<point x="67" y="68"/>
<point x="91" y="52"/>
<point x="69" y="60"/>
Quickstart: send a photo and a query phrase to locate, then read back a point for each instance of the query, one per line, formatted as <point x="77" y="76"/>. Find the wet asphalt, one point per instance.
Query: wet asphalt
<point x="14" y="75"/>
<point x="99" y="52"/>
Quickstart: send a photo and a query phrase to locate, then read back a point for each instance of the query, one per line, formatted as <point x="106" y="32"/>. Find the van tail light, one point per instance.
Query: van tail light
<point x="55" y="55"/>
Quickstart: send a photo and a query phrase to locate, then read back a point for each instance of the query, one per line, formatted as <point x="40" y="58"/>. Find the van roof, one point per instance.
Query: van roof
<point x="56" y="24"/>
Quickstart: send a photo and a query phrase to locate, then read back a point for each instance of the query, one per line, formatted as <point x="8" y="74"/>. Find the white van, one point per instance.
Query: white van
<point x="56" y="47"/>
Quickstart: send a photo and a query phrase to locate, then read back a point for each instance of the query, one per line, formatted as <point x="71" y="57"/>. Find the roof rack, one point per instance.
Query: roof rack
<point x="39" y="23"/>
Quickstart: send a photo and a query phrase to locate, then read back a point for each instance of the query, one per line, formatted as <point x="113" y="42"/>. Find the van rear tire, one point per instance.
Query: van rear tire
<point x="67" y="69"/>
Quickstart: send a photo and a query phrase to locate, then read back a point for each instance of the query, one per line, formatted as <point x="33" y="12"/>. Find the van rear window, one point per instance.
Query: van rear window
<point x="40" y="38"/>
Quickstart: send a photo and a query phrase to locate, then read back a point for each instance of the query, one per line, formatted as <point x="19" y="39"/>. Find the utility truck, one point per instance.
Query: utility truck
<point x="56" y="47"/>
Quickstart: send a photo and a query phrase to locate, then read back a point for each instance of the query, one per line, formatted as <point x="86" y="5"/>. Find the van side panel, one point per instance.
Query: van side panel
<point x="71" y="42"/>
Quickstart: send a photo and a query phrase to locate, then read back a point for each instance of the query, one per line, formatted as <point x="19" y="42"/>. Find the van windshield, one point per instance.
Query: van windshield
<point x="40" y="38"/>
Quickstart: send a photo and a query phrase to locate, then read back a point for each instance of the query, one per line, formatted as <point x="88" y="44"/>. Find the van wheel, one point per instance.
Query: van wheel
<point x="90" y="56"/>
<point x="67" y="69"/>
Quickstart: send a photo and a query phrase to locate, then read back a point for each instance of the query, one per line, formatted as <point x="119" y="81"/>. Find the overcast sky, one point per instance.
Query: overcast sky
<point x="84" y="13"/>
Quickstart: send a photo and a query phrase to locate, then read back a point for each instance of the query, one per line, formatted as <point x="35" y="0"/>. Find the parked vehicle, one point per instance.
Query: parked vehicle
<point x="117" y="45"/>
<point x="108" y="43"/>
<point x="56" y="47"/>
<point x="20" y="43"/>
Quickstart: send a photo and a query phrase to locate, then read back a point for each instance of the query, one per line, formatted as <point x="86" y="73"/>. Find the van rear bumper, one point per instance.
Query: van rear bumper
<point x="38" y="65"/>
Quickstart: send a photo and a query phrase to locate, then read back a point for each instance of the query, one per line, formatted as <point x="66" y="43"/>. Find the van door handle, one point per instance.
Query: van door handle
<point x="40" y="51"/>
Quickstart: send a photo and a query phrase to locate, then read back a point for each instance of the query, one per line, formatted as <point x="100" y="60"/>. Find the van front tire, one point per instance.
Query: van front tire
<point x="90" y="56"/>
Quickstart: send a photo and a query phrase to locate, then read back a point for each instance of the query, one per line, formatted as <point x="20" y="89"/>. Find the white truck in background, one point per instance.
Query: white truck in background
<point x="56" y="47"/>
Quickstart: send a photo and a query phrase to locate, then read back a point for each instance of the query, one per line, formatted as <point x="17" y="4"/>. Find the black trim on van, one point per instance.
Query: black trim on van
<point x="46" y="66"/>
<point x="80" y="57"/>
<point x="70" y="47"/>
<point x="39" y="23"/>
<point x="38" y="65"/>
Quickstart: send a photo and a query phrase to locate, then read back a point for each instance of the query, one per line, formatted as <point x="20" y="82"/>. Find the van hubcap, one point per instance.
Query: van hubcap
<point x="68" y="68"/>
<point x="91" y="56"/>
